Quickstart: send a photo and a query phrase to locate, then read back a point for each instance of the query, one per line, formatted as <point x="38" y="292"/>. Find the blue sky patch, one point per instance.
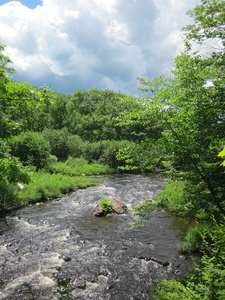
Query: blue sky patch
<point x="29" y="3"/>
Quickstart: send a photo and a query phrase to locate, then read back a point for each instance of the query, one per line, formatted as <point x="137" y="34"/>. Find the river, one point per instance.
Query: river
<point x="58" y="250"/>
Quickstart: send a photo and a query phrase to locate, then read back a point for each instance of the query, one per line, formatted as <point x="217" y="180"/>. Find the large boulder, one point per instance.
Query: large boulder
<point x="119" y="207"/>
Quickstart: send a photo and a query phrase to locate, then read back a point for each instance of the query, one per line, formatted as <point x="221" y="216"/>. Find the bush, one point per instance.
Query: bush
<point x="63" y="144"/>
<point x="172" y="290"/>
<point x="193" y="240"/>
<point x="31" y="148"/>
<point x="104" y="152"/>
<point x="207" y="281"/>
<point x="8" y="193"/>
<point x="175" y="199"/>
<point x="58" y="140"/>
<point x="109" y="152"/>
<point x="79" y="166"/>
<point x="75" y="145"/>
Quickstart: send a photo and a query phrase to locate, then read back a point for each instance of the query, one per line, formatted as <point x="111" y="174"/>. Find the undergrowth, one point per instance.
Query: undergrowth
<point x="207" y="281"/>
<point x="79" y="166"/>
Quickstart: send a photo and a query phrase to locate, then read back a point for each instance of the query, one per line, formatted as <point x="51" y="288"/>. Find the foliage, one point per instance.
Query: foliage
<point x="79" y="166"/>
<point x="11" y="172"/>
<point x="31" y="148"/>
<point x="4" y="60"/>
<point x="193" y="241"/>
<point x="106" y="205"/>
<point x="27" y="107"/>
<point x="207" y="281"/>
<point x="58" y="140"/>
<point x="222" y="154"/>
<point x="172" y="290"/>
<point x="44" y="186"/>
<point x="176" y="198"/>
<point x="141" y="211"/>
<point x="104" y="152"/>
<point x="97" y="111"/>
<point x="179" y="109"/>
<point x="208" y="24"/>
<point x="193" y="122"/>
<point x="148" y="155"/>
<point x="11" y="169"/>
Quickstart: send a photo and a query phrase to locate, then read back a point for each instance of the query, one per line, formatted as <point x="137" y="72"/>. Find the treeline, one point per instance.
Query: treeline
<point x="43" y="131"/>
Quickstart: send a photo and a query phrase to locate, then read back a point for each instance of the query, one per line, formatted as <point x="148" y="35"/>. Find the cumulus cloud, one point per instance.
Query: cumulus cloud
<point x="81" y="44"/>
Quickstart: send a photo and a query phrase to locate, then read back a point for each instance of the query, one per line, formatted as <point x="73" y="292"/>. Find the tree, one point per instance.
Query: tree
<point x="31" y="148"/>
<point x="190" y="112"/>
<point x="7" y="125"/>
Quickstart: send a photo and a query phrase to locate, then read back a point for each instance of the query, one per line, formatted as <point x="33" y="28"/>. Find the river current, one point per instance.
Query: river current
<point x="58" y="250"/>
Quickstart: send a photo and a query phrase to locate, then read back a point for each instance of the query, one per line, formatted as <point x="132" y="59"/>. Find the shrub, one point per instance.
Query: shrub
<point x="104" y="152"/>
<point x="58" y="140"/>
<point x="207" y="280"/>
<point x="31" y="148"/>
<point x="175" y="199"/>
<point x="75" y="145"/>
<point x="7" y="196"/>
<point x="109" y="152"/>
<point x="172" y="290"/>
<point x="193" y="240"/>
<point x="79" y="166"/>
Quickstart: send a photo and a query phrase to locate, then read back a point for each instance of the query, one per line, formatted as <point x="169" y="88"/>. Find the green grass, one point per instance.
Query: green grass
<point x="79" y="166"/>
<point x="44" y="186"/>
<point x="60" y="178"/>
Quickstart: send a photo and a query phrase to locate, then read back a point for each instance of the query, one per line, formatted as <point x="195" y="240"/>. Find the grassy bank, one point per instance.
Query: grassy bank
<point x="44" y="186"/>
<point x="79" y="166"/>
<point x="59" y="178"/>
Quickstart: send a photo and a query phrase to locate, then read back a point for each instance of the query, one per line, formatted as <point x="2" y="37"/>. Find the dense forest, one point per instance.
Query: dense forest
<point x="48" y="140"/>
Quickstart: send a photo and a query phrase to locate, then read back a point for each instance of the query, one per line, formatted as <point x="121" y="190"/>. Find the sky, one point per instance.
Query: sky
<point x="71" y="45"/>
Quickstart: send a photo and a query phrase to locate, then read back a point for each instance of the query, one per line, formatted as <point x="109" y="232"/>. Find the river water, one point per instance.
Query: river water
<point x="58" y="250"/>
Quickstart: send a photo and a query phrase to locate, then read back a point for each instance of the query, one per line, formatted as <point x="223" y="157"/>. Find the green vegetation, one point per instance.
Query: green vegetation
<point x="79" y="166"/>
<point x="207" y="280"/>
<point x="106" y="205"/>
<point x="43" y="134"/>
<point x="187" y="111"/>
<point x="44" y="186"/>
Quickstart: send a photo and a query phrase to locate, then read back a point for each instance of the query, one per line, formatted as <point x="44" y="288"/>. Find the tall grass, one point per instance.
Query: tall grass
<point x="44" y="186"/>
<point x="79" y="166"/>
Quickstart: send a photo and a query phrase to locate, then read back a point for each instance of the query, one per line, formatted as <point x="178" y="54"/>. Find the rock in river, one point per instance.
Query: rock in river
<point x="119" y="207"/>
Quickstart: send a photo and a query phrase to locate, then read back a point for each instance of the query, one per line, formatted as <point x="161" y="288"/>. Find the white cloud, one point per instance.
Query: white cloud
<point x="75" y="44"/>
<point x="117" y="30"/>
<point x="74" y="14"/>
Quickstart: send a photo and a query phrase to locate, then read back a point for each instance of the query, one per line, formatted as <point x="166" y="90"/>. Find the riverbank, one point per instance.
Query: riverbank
<point x="52" y="182"/>
<point x="44" y="186"/>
